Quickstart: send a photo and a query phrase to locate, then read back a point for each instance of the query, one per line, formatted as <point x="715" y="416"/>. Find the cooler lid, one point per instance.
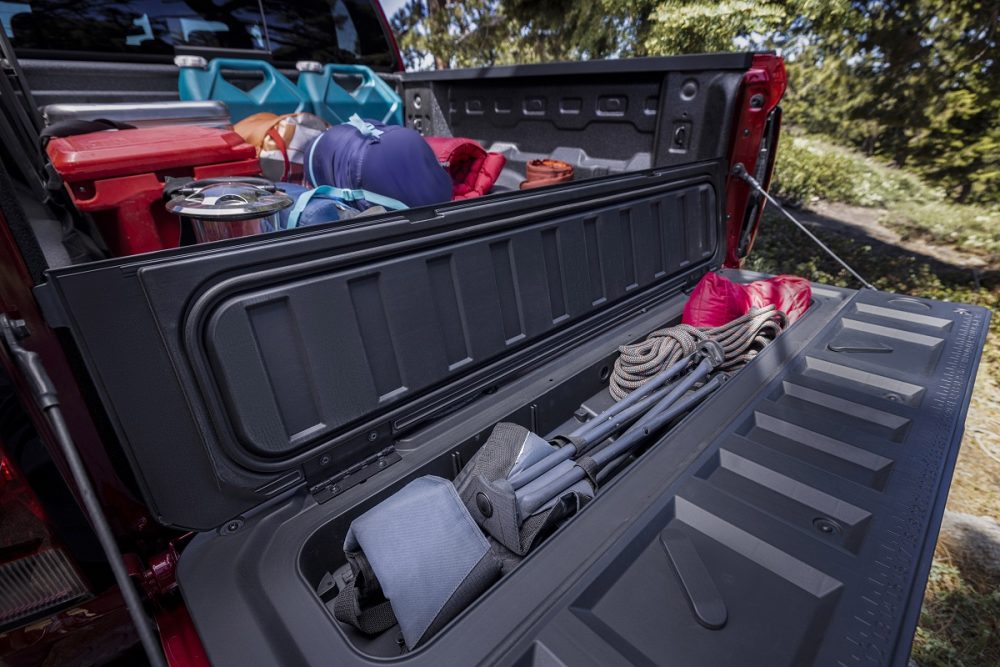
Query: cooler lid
<point x="137" y="151"/>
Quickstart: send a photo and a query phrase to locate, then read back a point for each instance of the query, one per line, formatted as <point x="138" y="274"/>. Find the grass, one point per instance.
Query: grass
<point x="811" y="168"/>
<point x="960" y="619"/>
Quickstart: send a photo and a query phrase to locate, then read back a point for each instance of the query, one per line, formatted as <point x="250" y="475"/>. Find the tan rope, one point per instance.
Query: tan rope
<point x="741" y="340"/>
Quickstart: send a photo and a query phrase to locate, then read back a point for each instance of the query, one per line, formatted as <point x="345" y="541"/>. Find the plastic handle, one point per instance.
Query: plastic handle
<point x="366" y="73"/>
<point x="240" y="64"/>
<point x="218" y="64"/>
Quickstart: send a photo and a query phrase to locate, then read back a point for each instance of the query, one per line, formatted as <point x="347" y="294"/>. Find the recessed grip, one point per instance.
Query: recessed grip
<point x="706" y="602"/>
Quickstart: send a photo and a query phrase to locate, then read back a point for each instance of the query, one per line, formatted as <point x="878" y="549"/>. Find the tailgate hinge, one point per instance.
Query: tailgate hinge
<point x="52" y="309"/>
<point x="357" y="473"/>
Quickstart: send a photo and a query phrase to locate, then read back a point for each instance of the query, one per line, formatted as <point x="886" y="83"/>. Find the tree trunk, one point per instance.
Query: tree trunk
<point x="435" y="9"/>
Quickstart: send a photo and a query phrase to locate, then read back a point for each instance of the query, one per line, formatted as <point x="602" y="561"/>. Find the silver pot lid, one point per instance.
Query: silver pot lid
<point x="229" y="201"/>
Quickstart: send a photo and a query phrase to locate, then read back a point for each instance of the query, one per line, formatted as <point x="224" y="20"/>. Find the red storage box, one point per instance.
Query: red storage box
<point x="117" y="176"/>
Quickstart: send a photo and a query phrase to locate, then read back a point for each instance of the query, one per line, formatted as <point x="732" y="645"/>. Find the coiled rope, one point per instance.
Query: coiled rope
<point x="741" y="340"/>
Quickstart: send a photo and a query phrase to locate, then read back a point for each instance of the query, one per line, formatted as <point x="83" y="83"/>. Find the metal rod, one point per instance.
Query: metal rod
<point x="48" y="400"/>
<point x="546" y="478"/>
<point x="592" y="437"/>
<point x="638" y="432"/>
<point x="699" y="373"/>
<point x="603" y="425"/>
<point x="741" y="172"/>
<point x="654" y="383"/>
<point x="607" y="427"/>
<point x="29" y="101"/>
<point x="536" y="495"/>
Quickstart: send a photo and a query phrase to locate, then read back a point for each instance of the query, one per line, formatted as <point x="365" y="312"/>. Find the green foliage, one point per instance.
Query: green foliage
<point x="695" y="26"/>
<point x="960" y="620"/>
<point x="474" y="33"/>
<point x="810" y="168"/>
<point x="976" y="229"/>
<point x="454" y="34"/>
<point x="573" y="30"/>
<point x="916" y="82"/>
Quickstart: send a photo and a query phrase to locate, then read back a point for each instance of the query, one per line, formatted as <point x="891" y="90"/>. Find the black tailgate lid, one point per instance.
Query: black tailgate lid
<point x="233" y="374"/>
<point x="803" y="531"/>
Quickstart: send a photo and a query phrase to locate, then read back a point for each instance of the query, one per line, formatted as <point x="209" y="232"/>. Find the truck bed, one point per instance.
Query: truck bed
<point x="257" y="380"/>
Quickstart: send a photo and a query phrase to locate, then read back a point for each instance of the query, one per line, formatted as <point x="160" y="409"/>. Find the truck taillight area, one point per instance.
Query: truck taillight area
<point x="755" y="137"/>
<point x="36" y="575"/>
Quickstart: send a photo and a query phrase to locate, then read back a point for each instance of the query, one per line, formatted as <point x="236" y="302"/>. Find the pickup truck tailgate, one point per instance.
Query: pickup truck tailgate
<point x="806" y="527"/>
<point x="789" y="520"/>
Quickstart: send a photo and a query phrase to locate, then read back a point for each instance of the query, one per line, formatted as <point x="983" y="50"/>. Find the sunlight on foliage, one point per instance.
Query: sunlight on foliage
<point x="810" y="168"/>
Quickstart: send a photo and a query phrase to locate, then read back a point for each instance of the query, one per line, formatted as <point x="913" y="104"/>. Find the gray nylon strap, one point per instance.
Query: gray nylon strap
<point x="353" y="604"/>
<point x="563" y="440"/>
<point x="590" y="469"/>
<point x="371" y="621"/>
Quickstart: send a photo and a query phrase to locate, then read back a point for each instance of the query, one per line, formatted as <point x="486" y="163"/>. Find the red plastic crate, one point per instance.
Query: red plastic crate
<point x="117" y="176"/>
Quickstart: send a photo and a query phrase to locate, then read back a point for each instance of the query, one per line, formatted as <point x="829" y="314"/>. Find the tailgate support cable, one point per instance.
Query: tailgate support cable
<point x="741" y="172"/>
<point x="48" y="400"/>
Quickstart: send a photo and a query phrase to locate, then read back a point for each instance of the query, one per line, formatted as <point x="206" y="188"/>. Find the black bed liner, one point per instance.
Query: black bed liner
<point x="809" y="491"/>
<point x="255" y="384"/>
<point x="254" y="367"/>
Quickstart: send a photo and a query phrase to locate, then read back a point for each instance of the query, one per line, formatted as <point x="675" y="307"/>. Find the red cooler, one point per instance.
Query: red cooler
<point x="117" y="176"/>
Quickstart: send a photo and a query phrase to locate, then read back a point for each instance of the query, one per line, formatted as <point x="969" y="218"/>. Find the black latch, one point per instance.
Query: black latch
<point x="692" y="279"/>
<point x="357" y="473"/>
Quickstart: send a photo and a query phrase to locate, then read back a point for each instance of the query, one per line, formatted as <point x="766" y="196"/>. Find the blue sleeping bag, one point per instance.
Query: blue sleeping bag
<point x="314" y="206"/>
<point x="393" y="164"/>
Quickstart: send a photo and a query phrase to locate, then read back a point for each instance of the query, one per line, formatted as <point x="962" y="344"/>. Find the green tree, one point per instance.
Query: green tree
<point x="471" y="33"/>
<point x="917" y="81"/>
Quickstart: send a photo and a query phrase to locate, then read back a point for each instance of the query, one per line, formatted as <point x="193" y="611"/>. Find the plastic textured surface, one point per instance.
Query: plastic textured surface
<point x="809" y="491"/>
<point x="274" y="93"/>
<point x="372" y="98"/>
<point x="677" y="110"/>
<point x="261" y="361"/>
<point x="127" y="152"/>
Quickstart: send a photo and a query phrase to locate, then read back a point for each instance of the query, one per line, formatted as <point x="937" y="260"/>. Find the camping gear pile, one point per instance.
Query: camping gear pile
<point x="420" y="557"/>
<point x="336" y="150"/>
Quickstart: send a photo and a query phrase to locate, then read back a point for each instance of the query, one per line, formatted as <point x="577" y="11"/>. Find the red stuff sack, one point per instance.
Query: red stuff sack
<point x="473" y="171"/>
<point x="716" y="300"/>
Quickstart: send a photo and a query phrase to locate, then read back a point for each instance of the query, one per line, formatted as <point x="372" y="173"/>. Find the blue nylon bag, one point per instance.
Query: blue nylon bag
<point x="314" y="206"/>
<point x="390" y="160"/>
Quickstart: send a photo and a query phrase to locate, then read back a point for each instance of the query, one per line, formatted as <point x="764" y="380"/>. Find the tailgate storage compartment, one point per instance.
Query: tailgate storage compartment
<point x="778" y="524"/>
<point x="269" y="390"/>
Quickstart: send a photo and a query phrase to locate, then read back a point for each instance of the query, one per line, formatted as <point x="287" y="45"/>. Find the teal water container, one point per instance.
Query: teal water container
<point x="204" y="81"/>
<point x="374" y="99"/>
